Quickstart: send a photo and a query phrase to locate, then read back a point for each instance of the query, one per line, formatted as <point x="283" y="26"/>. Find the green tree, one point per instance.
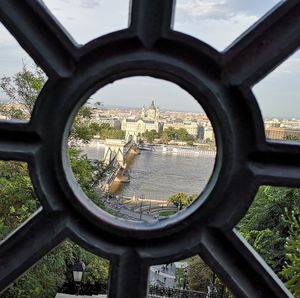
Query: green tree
<point x="95" y="275"/>
<point x="83" y="130"/>
<point x="44" y="279"/>
<point x="106" y="132"/>
<point x="17" y="198"/>
<point x="88" y="174"/>
<point x="198" y="274"/>
<point x="85" y="112"/>
<point x="291" y="269"/>
<point x="263" y="226"/>
<point x="180" y="134"/>
<point x="183" y="135"/>
<point x="181" y="200"/>
<point x="18" y="201"/>
<point x="80" y="133"/>
<point x="97" y="269"/>
<point x="95" y="127"/>
<point x="150" y="135"/>
<point x="11" y="112"/>
<point x="24" y="87"/>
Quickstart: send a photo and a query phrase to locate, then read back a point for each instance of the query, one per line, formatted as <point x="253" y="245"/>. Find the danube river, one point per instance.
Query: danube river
<point x="156" y="175"/>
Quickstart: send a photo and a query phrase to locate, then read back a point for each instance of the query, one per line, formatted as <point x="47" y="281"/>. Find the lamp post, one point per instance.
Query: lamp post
<point x="78" y="269"/>
<point x="185" y="280"/>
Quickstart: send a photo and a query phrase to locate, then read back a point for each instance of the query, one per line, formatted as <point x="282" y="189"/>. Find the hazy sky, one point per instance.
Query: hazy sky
<point x="216" y="22"/>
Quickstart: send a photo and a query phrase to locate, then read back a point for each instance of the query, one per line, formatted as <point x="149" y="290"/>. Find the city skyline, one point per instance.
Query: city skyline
<point x="218" y="23"/>
<point x="135" y="92"/>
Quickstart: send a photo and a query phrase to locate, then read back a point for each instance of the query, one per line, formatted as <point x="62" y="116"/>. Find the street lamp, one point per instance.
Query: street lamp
<point x="185" y="280"/>
<point x="78" y="269"/>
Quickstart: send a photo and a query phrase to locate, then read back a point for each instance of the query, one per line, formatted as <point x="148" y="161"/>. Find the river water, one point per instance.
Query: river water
<point x="156" y="175"/>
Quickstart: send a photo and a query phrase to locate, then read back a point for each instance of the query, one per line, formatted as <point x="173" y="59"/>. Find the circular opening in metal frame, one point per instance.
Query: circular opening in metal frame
<point x="141" y="149"/>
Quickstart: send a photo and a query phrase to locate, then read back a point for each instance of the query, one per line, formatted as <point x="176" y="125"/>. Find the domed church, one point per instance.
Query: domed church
<point x="148" y="120"/>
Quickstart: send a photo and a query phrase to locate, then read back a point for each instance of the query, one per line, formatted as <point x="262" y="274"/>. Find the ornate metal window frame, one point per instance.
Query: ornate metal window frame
<point x="220" y="82"/>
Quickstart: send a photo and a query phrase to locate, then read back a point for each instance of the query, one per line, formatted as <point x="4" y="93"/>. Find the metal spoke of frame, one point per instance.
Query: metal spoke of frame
<point x="30" y="242"/>
<point x="39" y="34"/>
<point x="17" y="141"/>
<point x="240" y="267"/>
<point x="128" y="276"/>
<point x="264" y="46"/>
<point x="278" y="165"/>
<point x="151" y="19"/>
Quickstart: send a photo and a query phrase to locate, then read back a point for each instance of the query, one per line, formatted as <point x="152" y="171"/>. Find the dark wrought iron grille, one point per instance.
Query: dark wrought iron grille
<point x="221" y="83"/>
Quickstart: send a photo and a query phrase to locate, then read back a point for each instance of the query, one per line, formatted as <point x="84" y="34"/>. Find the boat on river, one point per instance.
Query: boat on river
<point x="146" y="147"/>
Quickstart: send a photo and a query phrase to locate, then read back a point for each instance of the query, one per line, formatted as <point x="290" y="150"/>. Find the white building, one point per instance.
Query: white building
<point x="149" y="120"/>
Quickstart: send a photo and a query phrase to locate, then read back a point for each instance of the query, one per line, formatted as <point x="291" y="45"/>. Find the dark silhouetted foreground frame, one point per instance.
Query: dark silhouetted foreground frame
<point x="220" y="82"/>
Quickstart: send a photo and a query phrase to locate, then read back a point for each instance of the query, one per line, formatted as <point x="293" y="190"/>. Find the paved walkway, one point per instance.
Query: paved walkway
<point x="122" y="211"/>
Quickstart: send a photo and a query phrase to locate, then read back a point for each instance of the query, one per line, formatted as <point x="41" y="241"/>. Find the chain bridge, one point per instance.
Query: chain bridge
<point x="116" y="155"/>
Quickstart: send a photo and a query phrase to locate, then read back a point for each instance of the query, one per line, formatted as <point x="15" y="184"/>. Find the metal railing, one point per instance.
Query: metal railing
<point x="220" y="81"/>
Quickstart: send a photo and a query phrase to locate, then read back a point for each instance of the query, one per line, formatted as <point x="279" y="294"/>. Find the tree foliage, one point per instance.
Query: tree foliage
<point x="24" y="87"/>
<point x="180" y="134"/>
<point x="18" y="202"/>
<point x="44" y="279"/>
<point x="264" y="227"/>
<point x="17" y="198"/>
<point x="88" y="174"/>
<point x="104" y="131"/>
<point x="151" y="135"/>
<point x="291" y="269"/>
<point x="272" y="227"/>
<point x="11" y="112"/>
<point x="82" y="130"/>
<point x="95" y="275"/>
<point x="181" y="200"/>
<point x="198" y="274"/>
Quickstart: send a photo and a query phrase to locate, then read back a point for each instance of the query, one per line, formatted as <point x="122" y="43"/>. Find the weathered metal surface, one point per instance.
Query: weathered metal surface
<point x="220" y="82"/>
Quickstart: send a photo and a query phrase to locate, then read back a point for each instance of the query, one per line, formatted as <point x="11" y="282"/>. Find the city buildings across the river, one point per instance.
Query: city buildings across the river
<point x="135" y="121"/>
<point x="282" y="129"/>
<point x="150" y="119"/>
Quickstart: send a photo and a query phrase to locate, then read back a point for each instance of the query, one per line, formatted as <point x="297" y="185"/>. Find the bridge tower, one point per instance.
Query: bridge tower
<point x="114" y="150"/>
